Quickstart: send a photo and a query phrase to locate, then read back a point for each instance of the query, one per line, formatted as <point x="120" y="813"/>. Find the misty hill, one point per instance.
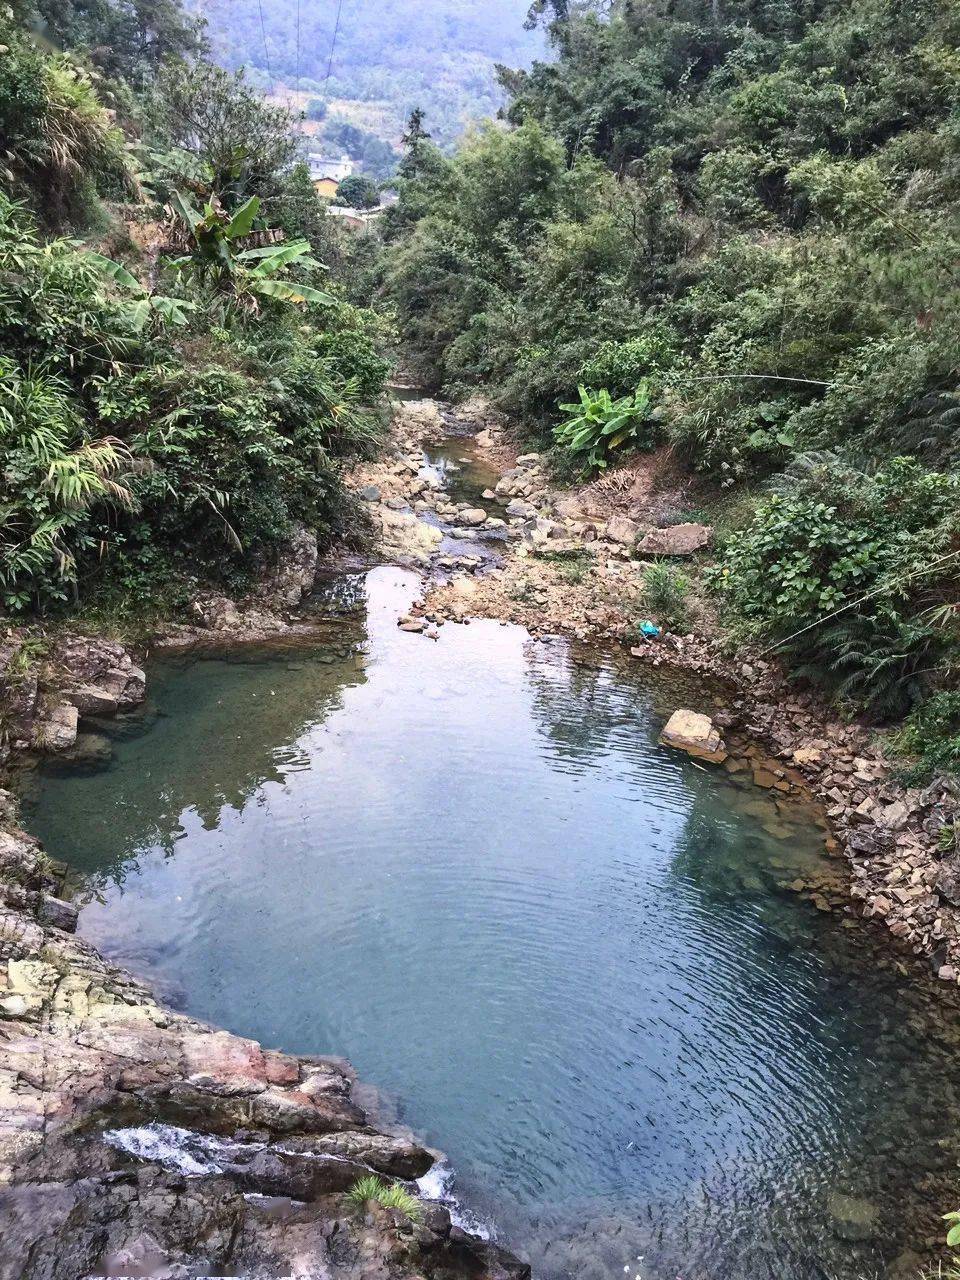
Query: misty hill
<point x="388" y="55"/>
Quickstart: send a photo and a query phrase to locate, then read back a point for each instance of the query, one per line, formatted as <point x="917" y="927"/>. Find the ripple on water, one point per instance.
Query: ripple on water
<point x="470" y="867"/>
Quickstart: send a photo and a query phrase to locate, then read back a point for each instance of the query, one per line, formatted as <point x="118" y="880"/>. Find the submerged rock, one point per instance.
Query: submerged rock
<point x="693" y="732"/>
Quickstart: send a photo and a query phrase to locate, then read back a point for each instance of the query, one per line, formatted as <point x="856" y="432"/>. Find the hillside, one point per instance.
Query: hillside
<point x="395" y="56"/>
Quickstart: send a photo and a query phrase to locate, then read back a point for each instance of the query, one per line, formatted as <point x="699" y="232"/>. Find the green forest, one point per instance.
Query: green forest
<point x="181" y="370"/>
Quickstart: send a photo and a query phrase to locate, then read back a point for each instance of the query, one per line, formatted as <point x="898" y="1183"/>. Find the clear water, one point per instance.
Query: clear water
<point x="565" y="954"/>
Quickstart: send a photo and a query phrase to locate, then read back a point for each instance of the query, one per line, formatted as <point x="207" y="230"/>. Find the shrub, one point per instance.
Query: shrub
<point x="394" y="1196"/>
<point x="599" y="426"/>
<point x="622" y="366"/>
<point x="665" y="592"/>
<point x="932" y="735"/>
<point x="852" y="576"/>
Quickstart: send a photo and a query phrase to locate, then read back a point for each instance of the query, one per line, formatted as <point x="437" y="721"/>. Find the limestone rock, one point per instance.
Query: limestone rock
<point x="473" y="516"/>
<point x="403" y="535"/>
<point x="693" y="732"/>
<point x="57" y="731"/>
<point x="622" y="529"/>
<point x="676" y="540"/>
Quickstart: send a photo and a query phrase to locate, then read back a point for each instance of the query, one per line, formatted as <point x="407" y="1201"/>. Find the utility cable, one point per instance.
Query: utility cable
<point x="333" y="43"/>
<point x="263" y="33"/>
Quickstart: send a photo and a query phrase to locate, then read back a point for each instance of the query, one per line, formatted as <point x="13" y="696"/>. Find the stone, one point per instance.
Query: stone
<point x="854" y="1218"/>
<point x="807" y="757"/>
<point x="58" y="914"/>
<point x="57" y="731"/>
<point x="473" y="516"/>
<point x="947" y="880"/>
<point x="409" y="623"/>
<point x="370" y="493"/>
<point x="693" y="732"/>
<point x="676" y="540"/>
<point x="404" y="536"/>
<point x="518" y="507"/>
<point x="621" y="529"/>
<point x="91" y="700"/>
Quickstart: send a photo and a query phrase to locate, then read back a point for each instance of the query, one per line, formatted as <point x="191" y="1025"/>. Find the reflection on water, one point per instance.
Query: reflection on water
<point x="568" y="953"/>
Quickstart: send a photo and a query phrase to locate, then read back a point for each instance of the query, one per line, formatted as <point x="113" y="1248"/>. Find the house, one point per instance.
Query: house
<point x="327" y="172"/>
<point x="354" y="218"/>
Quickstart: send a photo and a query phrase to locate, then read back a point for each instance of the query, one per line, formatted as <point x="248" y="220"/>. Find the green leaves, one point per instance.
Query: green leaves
<point x="599" y="426"/>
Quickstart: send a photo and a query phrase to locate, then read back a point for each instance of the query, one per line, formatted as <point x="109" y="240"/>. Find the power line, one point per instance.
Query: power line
<point x="298" y="53"/>
<point x="333" y="43"/>
<point x="263" y="32"/>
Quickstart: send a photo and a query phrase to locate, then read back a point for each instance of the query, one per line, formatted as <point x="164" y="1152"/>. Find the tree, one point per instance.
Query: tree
<point x="129" y="40"/>
<point x="358" y="192"/>
<point x="243" y="145"/>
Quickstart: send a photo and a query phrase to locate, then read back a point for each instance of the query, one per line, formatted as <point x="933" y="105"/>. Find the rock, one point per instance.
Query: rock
<point x="528" y="459"/>
<point x="621" y="529"/>
<point x="807" y="757"/>
<point x="676" y="540"/>
<point x="58" y="914"/>
<point x="92" y="701"/>
<point x="518" y="507"/>
<point x="408" y="623"/>
<point x="57" y="731"/>
<point x="854" y="1218"/>
<point x="370" y="493"/>
<point x="693" y="732"/>
<point x="473" y="516"/>
<point x="403" y="535"/>
<point x="292" y="574"/>
<point x="488" y="495"/>
<point x="947" y="880"/>
<point x="418" y="416"/>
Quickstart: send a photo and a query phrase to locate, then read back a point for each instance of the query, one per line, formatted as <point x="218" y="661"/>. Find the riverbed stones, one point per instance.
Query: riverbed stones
<point x="695" y="733"/>
<point x="676" y="540"/>
<point x="473" y="517"/>
<point x="370" y="493"/>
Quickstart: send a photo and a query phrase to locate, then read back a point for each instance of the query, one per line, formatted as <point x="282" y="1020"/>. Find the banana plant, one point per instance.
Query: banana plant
<point x="598" y="425"/>
<point x="138" y="312"/>
<point x="243" y="272"/>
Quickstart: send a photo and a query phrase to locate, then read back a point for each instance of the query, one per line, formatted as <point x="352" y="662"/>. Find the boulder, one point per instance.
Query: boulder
<point x="622" y="529"/>
<point x="91" y="700"/>
<point x="693" y="732"/>
<point x="525" y="510"/>
<point x="473" y="516"/>
<point x="677" y="540"/>
<point x="57" y="731"/>
<point x="416" y="416"/>
<point x="403" y="535"/>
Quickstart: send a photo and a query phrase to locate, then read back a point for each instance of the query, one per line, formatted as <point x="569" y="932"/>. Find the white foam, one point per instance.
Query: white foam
<point x="437" y="1184"/>
<point x="179" y="1150"/>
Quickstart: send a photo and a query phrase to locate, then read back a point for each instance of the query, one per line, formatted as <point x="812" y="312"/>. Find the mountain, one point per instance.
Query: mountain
<point x="371" y="63"/>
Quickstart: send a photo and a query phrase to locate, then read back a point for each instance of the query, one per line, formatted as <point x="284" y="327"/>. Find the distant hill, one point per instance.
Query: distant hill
<point x="390" y="55"/>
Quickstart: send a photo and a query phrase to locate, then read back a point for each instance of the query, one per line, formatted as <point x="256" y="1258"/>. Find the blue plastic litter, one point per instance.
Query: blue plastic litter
<point x="649" y="629"/>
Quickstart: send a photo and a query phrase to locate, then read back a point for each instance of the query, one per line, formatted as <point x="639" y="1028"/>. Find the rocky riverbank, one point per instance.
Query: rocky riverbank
<point x="572" y="563"/>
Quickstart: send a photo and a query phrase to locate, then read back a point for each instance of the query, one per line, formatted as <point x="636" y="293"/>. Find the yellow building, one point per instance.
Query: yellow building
<point x="326" y="188"/>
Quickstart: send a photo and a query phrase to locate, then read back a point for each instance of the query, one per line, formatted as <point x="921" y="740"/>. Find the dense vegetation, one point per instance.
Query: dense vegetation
<point x="391" y="57"/>
<point x="179" y="373"/>
<point x="738" y="221"/>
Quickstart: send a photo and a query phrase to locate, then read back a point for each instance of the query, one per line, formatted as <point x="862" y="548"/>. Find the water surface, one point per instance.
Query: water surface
<point x="566" y="955"/>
